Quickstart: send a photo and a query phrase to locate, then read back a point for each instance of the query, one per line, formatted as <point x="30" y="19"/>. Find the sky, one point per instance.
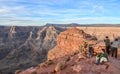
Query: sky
<point x="40" y="12"/>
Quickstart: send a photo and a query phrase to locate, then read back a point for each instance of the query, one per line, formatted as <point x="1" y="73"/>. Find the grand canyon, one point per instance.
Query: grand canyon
<point x="39" y="49"/>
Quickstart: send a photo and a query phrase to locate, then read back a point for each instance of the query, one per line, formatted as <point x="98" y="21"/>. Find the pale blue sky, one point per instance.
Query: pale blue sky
<point x="40" y="12"/>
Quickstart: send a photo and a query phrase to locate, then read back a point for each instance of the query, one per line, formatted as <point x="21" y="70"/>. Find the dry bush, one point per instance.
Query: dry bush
<point x="60" y="66"/>
<point x="68" y="58"/>
<point x="49" y="62"/>
<point x="34" y="72"/>
<point x="42" y="65"/>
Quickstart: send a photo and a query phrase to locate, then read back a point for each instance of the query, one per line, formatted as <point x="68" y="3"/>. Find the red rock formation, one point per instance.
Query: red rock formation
<point x="68" y="42"/>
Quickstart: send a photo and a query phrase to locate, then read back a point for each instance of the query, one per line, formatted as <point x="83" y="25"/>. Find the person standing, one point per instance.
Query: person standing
<point x="115" y="46"/>
<point x="90" y="50"/>
<point x="107" y="44"/>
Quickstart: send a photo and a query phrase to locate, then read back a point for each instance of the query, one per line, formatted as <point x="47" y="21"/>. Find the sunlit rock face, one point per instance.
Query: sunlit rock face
<point x="68" y="42"/>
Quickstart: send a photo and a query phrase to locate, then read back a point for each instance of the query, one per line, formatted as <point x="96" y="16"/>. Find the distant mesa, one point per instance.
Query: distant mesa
<point x="63" y="25"/>
<point x="83" y="25"/>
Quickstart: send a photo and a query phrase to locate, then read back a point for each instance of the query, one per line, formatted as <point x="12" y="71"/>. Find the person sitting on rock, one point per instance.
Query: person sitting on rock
<point x="101" y="57"/>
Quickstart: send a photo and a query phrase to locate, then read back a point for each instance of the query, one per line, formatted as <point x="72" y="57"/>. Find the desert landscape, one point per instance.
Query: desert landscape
<point x="65" y="57"/>
<point x="59" y="36"/>
<point x="101" y="32"/>
<point x="26" y="47"/>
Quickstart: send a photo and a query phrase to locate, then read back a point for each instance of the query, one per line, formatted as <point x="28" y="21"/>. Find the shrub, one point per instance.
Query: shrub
<point x="60" y="66"/>
<point x="68" y="58"/>
<point x="49" y="62"/>
<point x="42" y="65"/>
<point x="34" y="72"/>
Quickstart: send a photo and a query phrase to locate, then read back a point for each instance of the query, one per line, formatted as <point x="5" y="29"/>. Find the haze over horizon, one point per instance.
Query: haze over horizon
<point x="40" y="12"/>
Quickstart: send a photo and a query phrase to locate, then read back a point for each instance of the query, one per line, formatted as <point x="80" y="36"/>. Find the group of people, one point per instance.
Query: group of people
<point x="111" y="49"/>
